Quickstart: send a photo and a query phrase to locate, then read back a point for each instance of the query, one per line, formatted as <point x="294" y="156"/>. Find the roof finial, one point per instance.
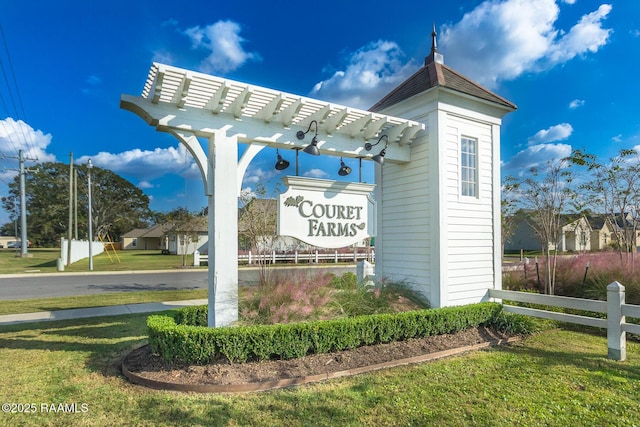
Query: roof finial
<point x="434" y="55"/>
<point x="434" y="43"/>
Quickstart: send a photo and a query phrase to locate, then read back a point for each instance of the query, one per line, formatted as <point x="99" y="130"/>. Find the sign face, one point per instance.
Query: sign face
<point x="327" y="214"/>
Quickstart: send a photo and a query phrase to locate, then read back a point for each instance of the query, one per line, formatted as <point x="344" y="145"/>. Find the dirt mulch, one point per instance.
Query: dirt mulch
<point x="144" y="368"/>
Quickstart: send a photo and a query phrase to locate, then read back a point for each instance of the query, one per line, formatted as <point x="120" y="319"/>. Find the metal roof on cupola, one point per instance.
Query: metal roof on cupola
<point x="434" y="74"/>
<point x="176" y="98"/>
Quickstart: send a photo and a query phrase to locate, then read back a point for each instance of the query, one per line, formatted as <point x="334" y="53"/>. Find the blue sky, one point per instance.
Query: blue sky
<point x="570" y="66"/>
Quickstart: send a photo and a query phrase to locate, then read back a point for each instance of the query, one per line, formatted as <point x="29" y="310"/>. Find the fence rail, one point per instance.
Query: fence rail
<point x="615" y="308"/>
<point x="296" y="257"/>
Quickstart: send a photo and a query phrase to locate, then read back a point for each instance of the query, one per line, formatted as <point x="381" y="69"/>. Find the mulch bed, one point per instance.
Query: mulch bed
<point x="143" y="367"/>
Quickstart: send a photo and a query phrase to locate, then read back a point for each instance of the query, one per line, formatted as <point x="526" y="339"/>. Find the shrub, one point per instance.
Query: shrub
<point x="198" y="344"/>
<point x="519" y="324"/>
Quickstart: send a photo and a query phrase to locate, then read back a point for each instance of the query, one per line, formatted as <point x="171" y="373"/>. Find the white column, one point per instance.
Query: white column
<point x="223" y="229"/>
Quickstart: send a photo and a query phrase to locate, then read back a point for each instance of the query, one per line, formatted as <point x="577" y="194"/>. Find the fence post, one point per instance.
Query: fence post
<point x="296" y="257"/>
<point x="249" y="257"/>
<point x="335" y="254"/>
<point x="616" y="337"/>
<point x="273" y="257"/>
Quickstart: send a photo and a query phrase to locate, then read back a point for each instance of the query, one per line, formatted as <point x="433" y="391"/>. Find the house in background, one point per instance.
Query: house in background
<point x="575" y="235"/>
<point x="586" y="233"/>
<point x="170" y="238"/>
<point x="602" y="234"/>
<point x="153" y="238"/>
<point x="185" y="238"/>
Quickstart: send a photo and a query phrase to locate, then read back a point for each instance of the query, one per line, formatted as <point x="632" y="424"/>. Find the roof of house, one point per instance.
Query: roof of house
<point x="157" y="230"/>
<point x="435" y="74"/>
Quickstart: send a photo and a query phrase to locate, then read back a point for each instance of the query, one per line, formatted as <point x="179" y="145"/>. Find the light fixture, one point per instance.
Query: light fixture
<point x="313" y="147"/>
<point x="281" y="164"/>
<point x="344" y="169"/>
<point x="379" y="158"/>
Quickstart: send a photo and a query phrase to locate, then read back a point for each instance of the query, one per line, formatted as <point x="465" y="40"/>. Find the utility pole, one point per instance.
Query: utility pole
<point x="70" y="233"/>
<point x="24" y="243"/>
<point x="75" y="203"/>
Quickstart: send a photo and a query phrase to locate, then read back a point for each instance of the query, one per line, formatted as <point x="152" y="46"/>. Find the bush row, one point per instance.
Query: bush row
<point x="182" y="337"/>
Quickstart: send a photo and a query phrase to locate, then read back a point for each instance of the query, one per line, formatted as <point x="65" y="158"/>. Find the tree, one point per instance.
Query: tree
<point x="257" y="224"/>
<point x="615" y="190"/>
<point x="546" y="194"/>
<point x="118" y="205"/>
<point x="508" y="209"/>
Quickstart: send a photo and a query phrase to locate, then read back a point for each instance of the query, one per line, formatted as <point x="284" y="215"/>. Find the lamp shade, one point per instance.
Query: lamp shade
<point x="344" y="169"/>
<point x="281" y="164"/>
<point x="379" y="158"/>
<point x="312" y="148"/>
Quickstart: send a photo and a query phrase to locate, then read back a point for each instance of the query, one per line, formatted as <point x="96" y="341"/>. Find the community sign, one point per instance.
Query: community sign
<point x="325" y="213"/>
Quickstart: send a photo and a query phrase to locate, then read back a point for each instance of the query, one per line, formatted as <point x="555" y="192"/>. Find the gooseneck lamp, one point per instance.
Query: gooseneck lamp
<point x="313" y="147"/>
<point x="378" y="158"/>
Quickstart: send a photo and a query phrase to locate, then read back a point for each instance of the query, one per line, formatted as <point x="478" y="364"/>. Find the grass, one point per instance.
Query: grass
<point x="558" y="378"/>
<point x="45" y="261"/>
<point x="99" y="300"/>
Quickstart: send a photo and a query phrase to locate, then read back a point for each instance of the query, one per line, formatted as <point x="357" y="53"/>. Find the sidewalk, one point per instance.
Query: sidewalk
<point x="114" y="310"/>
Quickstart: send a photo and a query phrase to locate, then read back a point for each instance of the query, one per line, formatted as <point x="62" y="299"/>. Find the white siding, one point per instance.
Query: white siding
<point x="470" y="240"/>
<point x="404" y="226"/>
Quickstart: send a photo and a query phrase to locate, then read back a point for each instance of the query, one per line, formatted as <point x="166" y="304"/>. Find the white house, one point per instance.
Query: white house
<point x="439" y="222"/>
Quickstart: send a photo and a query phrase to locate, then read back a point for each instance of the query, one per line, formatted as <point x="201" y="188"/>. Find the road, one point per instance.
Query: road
<point x="74" y="284"/>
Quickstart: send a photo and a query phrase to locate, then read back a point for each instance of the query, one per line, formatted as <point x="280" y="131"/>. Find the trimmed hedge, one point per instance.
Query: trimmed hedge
<point x="182" y="335"/>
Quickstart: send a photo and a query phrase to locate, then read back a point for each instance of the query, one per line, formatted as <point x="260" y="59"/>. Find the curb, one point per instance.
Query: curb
<point x="291" y="382"/>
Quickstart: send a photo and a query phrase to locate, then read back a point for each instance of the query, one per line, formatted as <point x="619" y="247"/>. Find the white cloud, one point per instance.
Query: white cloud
<point x="145" y="184"/>
<point x="617" y="138"/>
<point x="17" y="135"/>
<point x="316" y="173"/>
<point x="501" y="40"/>
<point x="554" y="133"/>
<point x="576" y="103"/>
<point x="163" y="57"/>
<point x="255" y="175"/>
<point x="586" y="36"/>
<point x="370" y="73"/>
<point x="146" y="165"/>
<point x="535" y="156"/>
<point x="223" y="42"/>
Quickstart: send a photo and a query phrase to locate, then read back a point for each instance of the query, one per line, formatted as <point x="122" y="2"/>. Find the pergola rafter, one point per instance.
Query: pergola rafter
<point x="257" y="114"/>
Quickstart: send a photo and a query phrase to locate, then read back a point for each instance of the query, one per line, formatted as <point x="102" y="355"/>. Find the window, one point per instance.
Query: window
<point x="134" y="242"/>
<point x="468" y="167"/>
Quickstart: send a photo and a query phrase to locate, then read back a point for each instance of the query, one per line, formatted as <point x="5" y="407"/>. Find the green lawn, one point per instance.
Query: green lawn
<point x="45" y="261"/>
<point x="558" y="378"/>
<point x="99" y="300"/>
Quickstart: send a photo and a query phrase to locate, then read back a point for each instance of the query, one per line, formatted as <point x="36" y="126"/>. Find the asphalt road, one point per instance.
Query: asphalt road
<point x="73" y="284"/>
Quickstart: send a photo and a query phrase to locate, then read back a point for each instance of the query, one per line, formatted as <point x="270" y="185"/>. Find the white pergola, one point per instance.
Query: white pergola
<point x="192" y="105"/>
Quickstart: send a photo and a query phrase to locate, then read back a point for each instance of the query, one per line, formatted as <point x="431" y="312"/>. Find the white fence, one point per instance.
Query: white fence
<point x="615" y="308"/>
<point x="79" y="250"/>
<point x="295" y="257"/>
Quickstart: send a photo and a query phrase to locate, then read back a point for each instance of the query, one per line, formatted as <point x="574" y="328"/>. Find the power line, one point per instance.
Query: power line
<point x="19" y="108"/>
